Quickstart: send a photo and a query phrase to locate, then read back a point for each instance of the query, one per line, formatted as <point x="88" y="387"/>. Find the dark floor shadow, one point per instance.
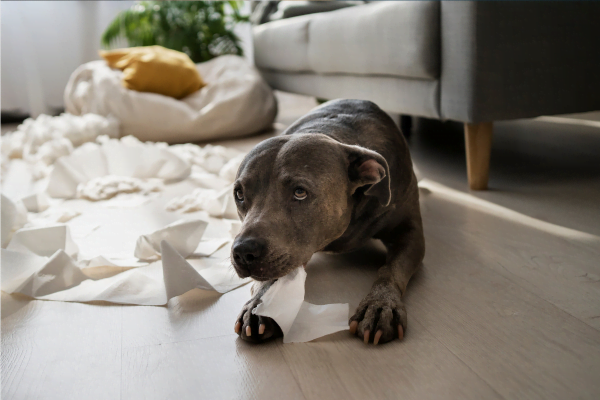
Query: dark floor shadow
<point x="12" y="303"/>
<point x="192" y="302"/>
<point x="546" y="171"/>
<point x="343" y="278"/>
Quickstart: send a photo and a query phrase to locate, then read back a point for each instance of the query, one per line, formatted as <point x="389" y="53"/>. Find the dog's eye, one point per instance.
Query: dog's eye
<point x="239" y="195"/>
<point x="300" y="194"/>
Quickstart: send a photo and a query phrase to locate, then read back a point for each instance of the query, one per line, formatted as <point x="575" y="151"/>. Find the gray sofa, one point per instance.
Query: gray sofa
<point x="473" y="62"/>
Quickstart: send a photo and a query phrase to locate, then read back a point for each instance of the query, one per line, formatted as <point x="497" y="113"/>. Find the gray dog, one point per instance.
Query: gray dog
<point x="340" y="175"/>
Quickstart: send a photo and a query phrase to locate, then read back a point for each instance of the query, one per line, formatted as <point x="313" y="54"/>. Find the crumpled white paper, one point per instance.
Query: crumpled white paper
<point x="127" y="157"/>
<point x="114" y="232"/>
<point x="180" y="276"/>
<point x="185" y="236"/>
<point x="42" y="275"/>
<point x="76" y="250"/>
<point x="44" y="241"/>
<point x="42" y="140"/>
<point x="14" y="216"/>
<point x="38" y="271"/>
<point x="36" y="202"/>
<point x="218" y="204"/>
<point x="108" y="186"/>
<point x="300" y="321"/>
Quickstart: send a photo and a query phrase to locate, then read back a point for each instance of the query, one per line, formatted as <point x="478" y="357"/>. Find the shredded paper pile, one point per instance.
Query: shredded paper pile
<point x="88" y="216"/>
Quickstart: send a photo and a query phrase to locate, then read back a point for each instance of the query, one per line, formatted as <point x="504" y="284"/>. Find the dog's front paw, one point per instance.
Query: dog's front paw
<point x="255" y="328"/>
<point x="381" y="316"/>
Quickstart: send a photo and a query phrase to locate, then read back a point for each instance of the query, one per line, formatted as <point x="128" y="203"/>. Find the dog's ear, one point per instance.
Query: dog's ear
<point x="367" y="167"/>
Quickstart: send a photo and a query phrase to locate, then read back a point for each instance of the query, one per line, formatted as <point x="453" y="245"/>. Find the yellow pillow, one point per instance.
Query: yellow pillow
<point x="155" y="69"/>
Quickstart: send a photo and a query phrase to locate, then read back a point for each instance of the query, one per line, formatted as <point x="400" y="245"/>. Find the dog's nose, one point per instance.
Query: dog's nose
<point x="247" y="251"/>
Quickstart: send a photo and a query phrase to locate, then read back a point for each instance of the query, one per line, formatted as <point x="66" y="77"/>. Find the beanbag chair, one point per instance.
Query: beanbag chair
<point x="235" y="102"/>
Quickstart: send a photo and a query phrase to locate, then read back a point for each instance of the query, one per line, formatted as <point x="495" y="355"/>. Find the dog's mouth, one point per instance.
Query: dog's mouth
<point x="263" y="273"/>
<point x="275" y="276"/>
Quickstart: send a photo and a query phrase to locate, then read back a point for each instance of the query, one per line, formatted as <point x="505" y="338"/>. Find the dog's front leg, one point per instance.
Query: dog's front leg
<point x="381" y="315"/>
<point x="256" y="328"/>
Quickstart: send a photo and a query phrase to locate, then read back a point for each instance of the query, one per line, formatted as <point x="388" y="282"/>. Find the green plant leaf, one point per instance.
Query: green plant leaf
<point x="201" y="29"/>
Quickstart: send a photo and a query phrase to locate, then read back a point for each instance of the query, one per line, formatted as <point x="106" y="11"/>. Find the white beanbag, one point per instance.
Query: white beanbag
<point x="235" y="102"/>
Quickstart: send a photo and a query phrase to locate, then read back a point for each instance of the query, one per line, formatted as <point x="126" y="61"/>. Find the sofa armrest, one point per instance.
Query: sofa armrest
<point x="507" y="60"/>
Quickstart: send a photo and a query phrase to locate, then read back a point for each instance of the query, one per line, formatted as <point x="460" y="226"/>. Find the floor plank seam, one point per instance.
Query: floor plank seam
<point x="541" y="298"/>
<point x="287" y="364"/>
<point x="515" y="280"/>
<point x="461" y="360"/>
<point x="178" y="341"/>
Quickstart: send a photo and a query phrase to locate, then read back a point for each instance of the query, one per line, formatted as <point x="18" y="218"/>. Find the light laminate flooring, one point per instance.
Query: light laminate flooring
<point x="506" y="306"/>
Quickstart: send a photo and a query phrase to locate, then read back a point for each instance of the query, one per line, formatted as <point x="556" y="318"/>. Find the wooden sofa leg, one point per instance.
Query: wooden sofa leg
<point x="478" y="143"/>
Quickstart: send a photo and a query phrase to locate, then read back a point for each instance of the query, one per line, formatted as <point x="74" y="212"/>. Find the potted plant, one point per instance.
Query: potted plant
<point x="201" y="29"/>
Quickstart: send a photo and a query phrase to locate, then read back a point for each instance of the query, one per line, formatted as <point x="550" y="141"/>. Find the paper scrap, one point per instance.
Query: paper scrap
<point x="140" y="286"/>
<point x="18" y="267"/>
<point x="314" y="321"/>
<point x="218" y="204"/>
<point x="129" y="200"/>
<point x="68" y="249"/>
<point x="58" y="273"/>
<point x="37" y="264"/>
<point x="208" y="247"/>
<point x="52" y="216"/>
<point x="36" y="202"/>
<point x="29" y="140"/>
<point x="185" y="236"/>
<point x="108" y="186"/>
<point x="17" y="182"/>
<point x="180" y="276"/>
<point x="44" y="241"/>
<point x="117" y="231"/>
<point x="127" y="157"/>
<point x="14" y="216"/>
<point x="213" y="159"/>
<point x="283" y="300"/>
<point x="300" y="321"/>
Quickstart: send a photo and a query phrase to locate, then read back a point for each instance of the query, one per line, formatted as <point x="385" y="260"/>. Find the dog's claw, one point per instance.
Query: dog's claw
<point x="247" y="324"/>
<point x="382" y="313"/>
<point x="353" y="326"/>
<point x="377" y="337"/>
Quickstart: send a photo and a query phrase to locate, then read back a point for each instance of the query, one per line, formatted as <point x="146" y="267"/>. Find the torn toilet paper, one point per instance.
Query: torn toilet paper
<point x="44" y="241"/>
<point x="123" y="246"/>
<point x="41" y="141"/>
<point x="58" y="277"/>
<point x="218" y="204"/>
<point x="127" y="157"/>
<point x="185" y="236"/>
<point x="107" y="187"/>
<point x="14" y="216"/>
<point x="117" y="230"/>
<point x="300" y="321"/>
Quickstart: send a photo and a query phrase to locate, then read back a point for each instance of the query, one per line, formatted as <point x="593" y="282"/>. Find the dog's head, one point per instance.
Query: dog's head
<point x="294" y="195"/>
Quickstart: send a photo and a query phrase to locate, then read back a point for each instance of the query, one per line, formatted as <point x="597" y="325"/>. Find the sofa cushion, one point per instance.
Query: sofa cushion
<point x="289" y="9"/>
<point x="398" y="38"/>
<point x="282" y="45"/>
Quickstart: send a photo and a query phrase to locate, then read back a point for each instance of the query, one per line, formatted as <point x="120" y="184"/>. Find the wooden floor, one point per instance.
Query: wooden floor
<point x="507" y="304"/>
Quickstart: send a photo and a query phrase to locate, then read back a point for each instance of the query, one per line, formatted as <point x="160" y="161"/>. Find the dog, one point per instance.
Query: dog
<point x="338" y="176"/>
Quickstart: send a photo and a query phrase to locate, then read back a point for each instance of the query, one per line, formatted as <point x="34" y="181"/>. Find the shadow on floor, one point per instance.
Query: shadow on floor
<point x="547" y="171"/>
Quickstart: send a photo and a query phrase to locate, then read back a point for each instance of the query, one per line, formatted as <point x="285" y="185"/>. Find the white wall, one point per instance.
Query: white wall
<point x="42" y="42"/>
